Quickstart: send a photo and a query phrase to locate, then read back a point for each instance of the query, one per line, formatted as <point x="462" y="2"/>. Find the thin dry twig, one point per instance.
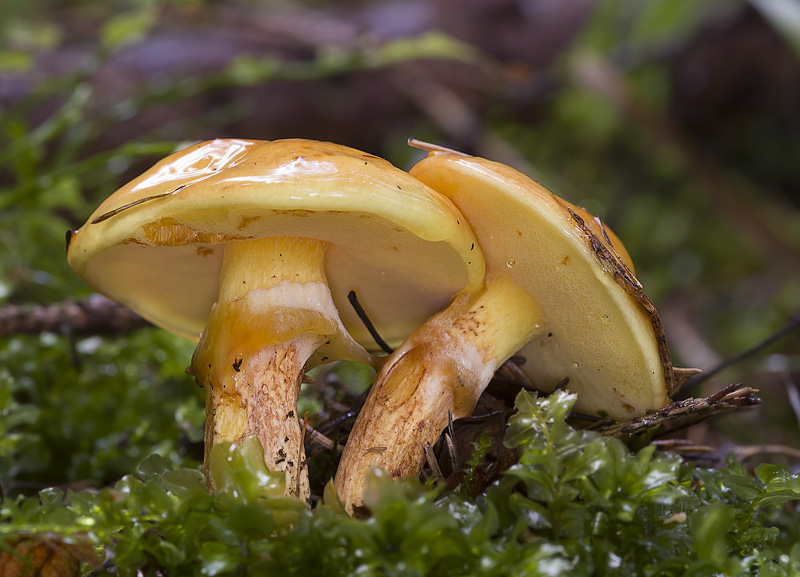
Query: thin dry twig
<point x="511" y="370"/>
<point x="788" y="328"/>
<point x="430" y="457"/>
<point x="451" y="451"/>
<point x="94" y="315"/>
<point x="362" y="315"/>
<point x="452" y="114"/>
<point x="794" y="396"/>
<point x="683" y="447"/>
<point x="449" y="438"/>
<point x="681" y="321"/>
<point x="314" y="437"/>
<point x="684" y="413"/>
<point x="743" y="453"/>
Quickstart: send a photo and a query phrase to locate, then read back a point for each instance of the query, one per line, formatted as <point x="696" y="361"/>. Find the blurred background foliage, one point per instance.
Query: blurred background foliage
<point x="676" y="121"/>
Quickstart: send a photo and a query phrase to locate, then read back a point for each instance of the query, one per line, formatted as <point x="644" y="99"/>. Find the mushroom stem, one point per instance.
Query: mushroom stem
<point x="442" y="367"/>
<point x="273" y="313"/>
<point x="264" y="404"/>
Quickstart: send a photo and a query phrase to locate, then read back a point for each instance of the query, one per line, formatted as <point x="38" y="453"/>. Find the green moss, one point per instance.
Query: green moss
<point x="576" y="502"/>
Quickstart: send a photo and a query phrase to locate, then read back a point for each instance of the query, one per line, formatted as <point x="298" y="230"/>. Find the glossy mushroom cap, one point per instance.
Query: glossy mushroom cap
<point x="598" y="328"/>
<point x="156" y="245"/>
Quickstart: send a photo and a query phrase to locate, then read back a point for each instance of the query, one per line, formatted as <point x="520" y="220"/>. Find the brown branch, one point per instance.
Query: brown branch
<point x="683" y="447"/>
<point x="94" y="315"/>
<point x="743" y="453"/>
<point x="315" y="438"/>
<point x="683" y="414"/>
<point x="451" y="111"/>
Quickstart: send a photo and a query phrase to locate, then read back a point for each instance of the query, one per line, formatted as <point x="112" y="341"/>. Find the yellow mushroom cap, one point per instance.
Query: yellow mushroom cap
<point x="599" y="329"/>
<point x="156" y="244"/>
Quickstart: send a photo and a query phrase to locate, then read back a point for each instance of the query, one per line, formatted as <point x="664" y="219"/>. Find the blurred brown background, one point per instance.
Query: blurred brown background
<point x="677" y="121"/>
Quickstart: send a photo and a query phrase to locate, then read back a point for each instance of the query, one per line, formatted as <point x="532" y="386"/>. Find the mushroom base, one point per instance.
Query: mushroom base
<point x="392" y="430"/>
<point x="440" y="370"/>
<point x="264" y="404"/>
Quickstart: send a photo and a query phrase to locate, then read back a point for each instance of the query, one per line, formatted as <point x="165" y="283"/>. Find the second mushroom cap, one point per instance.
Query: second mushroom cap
<point x="598" y="328"/>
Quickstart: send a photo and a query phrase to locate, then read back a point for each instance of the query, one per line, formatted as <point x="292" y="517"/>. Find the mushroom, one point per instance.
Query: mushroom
<point x="559" y="286"/>
<point x="252" y="247"/>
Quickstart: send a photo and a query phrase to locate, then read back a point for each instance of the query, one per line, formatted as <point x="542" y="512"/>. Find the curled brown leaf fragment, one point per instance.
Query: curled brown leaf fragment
<point x="44" y="556"/>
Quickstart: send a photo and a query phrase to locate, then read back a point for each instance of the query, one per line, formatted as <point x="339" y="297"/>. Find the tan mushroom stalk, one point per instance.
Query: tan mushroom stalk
<point x="252" y="247"/>
<point x="559" y="286"/>
<point x="273" y="312"/>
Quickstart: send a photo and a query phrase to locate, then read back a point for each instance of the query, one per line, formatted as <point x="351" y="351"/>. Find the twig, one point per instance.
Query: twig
<point x="682" y="447"/>
<point x="686" y="338"/>
<point x="449" y="438"/>
<point x="316" y="438"/>
<point x="433" y="463"/>
<point x="758" y="347"/>
<point x="562" y="385"/>
<point x="511" y="371"/>
<point x="362" y="314"/>
<point x="477" y="419"/>
<point x="684" y="413"/>
<point x="794" y="396"/>
<point x="743" y="453"/>
<point x="94" y="315"/>
<point x="449" y="442"/>
<point x="338" y="421"/>
<point x="450" y="111"/>
<point x="601" y="424"/>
